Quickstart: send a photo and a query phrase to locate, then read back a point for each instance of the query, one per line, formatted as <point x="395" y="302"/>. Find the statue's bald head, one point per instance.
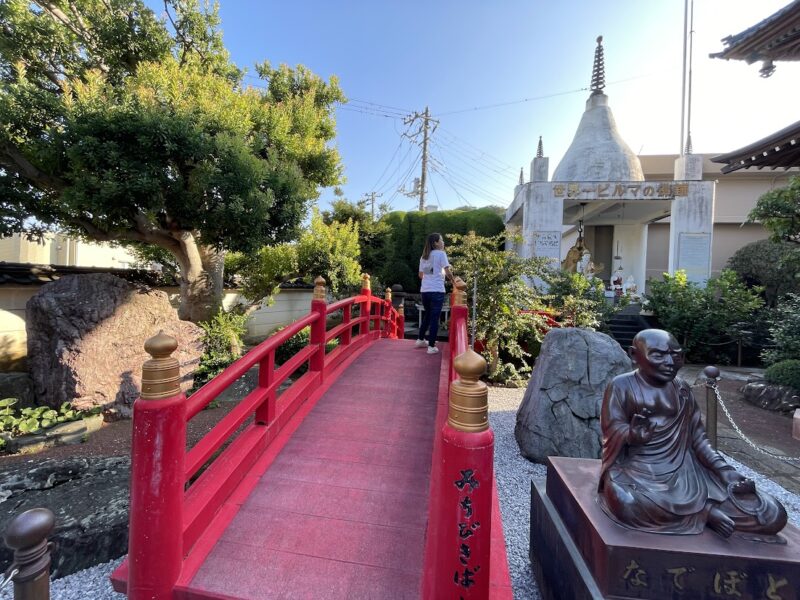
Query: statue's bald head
<point x="657" y="354"/>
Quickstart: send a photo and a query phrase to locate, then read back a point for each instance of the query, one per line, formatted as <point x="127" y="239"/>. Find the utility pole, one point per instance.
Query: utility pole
<point x="426" y="117"/>
<point x="371" y="197"/>
<point x="426" y="132"/>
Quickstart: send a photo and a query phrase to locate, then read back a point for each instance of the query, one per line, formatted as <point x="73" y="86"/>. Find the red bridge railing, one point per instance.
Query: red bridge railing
<point x="458" y="549"/>
<point x="173" y="499"/>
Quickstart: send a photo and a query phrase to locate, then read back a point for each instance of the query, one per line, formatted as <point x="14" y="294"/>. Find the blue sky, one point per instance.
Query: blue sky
<point x="396" y="57"/>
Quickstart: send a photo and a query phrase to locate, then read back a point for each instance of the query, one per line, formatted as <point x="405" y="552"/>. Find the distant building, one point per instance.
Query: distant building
<point x="639" y="216"/>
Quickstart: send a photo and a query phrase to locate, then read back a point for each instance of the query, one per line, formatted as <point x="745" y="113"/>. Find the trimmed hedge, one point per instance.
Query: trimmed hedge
<point x="409" y="230"/>
<point x="786" y="372"/>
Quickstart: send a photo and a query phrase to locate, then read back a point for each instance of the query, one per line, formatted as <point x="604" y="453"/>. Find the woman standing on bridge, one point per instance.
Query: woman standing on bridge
<point x="433" y="268"/>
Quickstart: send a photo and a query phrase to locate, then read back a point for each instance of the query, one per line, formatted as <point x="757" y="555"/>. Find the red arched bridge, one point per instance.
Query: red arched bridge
<point x="370" y="476"/>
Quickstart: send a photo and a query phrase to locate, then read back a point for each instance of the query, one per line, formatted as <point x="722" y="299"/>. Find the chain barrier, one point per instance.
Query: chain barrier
<point x="737" y="429"/>
<point x="8" y="576"/>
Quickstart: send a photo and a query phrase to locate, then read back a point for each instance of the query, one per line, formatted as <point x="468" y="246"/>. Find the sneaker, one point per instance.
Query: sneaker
<point x="420" y="343"/>
<point x="433" y="350"/>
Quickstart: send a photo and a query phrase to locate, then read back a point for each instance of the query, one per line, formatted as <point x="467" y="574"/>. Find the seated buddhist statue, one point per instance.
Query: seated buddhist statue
<point x="659" y="472"/>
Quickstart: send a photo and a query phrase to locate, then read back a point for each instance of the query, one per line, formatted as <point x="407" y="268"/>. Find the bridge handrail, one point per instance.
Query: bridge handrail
<point x="172" y="518"/>
<point x="211" y="390"/>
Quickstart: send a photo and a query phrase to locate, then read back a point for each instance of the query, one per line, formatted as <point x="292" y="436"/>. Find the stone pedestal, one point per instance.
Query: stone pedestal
<point x="577" y="552"/>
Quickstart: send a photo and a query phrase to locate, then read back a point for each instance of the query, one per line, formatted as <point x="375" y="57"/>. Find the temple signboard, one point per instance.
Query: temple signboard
<point x="620" y="190"/>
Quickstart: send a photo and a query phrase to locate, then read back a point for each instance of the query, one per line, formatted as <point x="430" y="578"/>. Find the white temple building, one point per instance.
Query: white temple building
<point x="600" y="200"/>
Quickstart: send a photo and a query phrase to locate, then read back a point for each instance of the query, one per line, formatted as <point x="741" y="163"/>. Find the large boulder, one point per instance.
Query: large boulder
<point x="89" y="497"/>
<point x="560" y="413"/>
<point x="772" y="396"/>
<point x="86" y="337"/>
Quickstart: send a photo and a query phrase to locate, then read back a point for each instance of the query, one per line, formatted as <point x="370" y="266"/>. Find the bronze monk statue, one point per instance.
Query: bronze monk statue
<point x="659" y="472"/>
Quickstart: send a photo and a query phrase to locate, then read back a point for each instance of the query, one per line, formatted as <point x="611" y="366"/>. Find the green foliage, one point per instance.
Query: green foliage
<point x="506" y="317"/>
<point x="331" y="251"/>
<point x="785" y="331"/>
<point x="779" y="212"/>
<point x="222" y="345"/>
<point x="115" y="125"/>
<point x="35" y="419"/>
<point x="264" y="271"/>
<point x="409" y="231"/>
<point x="296" y="343"/>
<point x="774" y="265"/>
<point x="704" y="320"/>
<point x="580" y="302"/>
<point x="373" y="231"/>
<point x="785" y="372"/>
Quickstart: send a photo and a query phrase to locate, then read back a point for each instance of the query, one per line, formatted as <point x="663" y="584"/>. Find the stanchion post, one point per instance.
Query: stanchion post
<point x="27" y="535"/>
<point x="320" y="306"/>
<point x="712" y="375"/>
<point x="459" y="313"/>
<point x="366" y="308"/>
<point x="463" y="549"/>
<point x="158" y="446"/>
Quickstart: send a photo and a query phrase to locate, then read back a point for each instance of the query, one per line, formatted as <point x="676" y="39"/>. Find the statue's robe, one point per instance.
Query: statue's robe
<point x="669" y="484"/>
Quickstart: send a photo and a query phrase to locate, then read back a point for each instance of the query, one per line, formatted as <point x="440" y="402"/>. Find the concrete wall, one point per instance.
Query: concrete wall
<point x="728" y="238"/>
<point x="288" y="306"/>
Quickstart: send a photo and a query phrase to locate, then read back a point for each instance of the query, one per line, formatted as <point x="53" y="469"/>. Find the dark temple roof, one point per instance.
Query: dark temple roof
<point x="779" y="150"/>
<point x="775" y="38"/>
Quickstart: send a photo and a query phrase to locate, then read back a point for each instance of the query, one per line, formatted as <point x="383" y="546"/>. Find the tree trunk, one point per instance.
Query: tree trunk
<point x="200" y="280"/>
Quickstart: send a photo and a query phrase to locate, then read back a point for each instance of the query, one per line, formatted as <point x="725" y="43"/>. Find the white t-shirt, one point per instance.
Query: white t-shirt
<point x="433" y="271"/>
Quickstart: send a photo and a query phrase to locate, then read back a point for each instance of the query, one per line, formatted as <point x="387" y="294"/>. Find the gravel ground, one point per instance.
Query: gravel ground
<point x="513" y="473"/>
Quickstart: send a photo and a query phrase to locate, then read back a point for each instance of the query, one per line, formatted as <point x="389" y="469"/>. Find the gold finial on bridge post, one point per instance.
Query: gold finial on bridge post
<point x="459" y="292"/>
<point x="365" y="283"/>
<point x="319" y="288"/>
<point x="388" y="294"/>
<point x="469" y="397"/>
<point x="161" y="374"/>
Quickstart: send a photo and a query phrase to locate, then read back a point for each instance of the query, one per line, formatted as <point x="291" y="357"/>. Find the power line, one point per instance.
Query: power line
<point x="389" y="164"/>
<point x="467" y="180"/>
<point x="385" y="185"/>
<point x="468" y="185"/>
<point x="474" y="147"/>
<point x="509" y="181"/>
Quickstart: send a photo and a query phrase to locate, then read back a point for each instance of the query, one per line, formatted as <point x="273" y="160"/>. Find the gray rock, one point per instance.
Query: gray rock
<point x="89" y="497"/>
<point x="86" y="337"/>
<point x="19" y="386"/>
<point x="772" y="397"/>
<point x="560" y="413"/>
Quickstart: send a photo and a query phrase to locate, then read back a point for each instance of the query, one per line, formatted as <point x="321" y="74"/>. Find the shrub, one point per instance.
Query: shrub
<point x="771" y="264"/>
<point x="580" y="302"/>
<point x="409" y="230"/>
<point x="704" y="320"/>
<point x="37" y="418"/>
<point x="509" y="312"/>
<point x="785" y="331"/>
<point x="785" y="372"/>
<point x="222" y="344"/>
<point x="296" y="343"/>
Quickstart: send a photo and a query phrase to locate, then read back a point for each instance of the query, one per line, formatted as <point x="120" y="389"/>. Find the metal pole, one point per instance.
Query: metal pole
<point x="27" y="537"/>
<point x="683" y="86"/>
<point x="712" y="375"/>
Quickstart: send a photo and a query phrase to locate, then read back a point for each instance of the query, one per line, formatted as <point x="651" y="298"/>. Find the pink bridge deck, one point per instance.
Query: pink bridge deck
<point x="337" y="507"/>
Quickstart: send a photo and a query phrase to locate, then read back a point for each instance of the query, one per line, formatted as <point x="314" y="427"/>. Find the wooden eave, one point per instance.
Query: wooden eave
<point x="779" y="150"/>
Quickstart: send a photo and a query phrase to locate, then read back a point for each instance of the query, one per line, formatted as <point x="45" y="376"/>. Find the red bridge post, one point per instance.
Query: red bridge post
<point x="389" y="330"/>
<point x="320" y="306"/>
<point x="401" y="321"/>
<point x="463" y="558"/>
<point x="366" y="307"/>
<point x="158" y="445"/>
